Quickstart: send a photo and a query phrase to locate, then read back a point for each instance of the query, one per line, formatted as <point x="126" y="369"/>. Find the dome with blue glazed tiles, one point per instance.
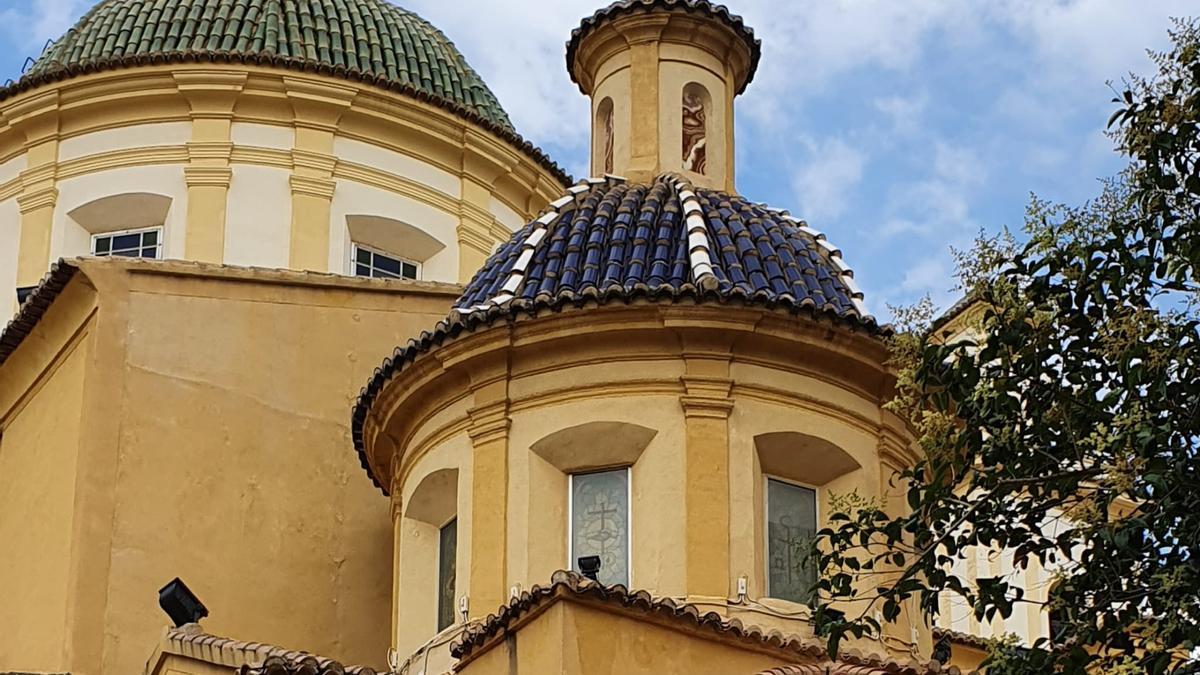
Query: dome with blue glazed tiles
<point x="607" y="239"/>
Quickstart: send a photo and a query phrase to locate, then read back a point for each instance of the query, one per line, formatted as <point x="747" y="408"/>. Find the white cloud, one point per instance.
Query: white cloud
<point x="829" y="174"/>
<point x="905" y="112"/>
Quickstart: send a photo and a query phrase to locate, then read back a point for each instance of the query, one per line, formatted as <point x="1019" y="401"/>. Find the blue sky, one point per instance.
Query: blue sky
<point x="898" y="128"/>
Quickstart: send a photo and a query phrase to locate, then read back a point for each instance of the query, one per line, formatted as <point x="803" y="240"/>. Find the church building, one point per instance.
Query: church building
<point x="313" y="347"/>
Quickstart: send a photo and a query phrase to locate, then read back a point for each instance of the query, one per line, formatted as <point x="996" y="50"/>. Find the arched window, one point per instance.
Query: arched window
<point x="387" y="248"/>
<point x="431" y="543"/>
<point x="604" y="131"/>
<point x="129" y="225"/>
<point x="696" y="106"/>
<point x="795" y="468"/>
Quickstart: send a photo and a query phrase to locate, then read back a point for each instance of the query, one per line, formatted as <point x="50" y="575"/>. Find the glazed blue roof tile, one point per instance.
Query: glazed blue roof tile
<point x="610" y="241"/>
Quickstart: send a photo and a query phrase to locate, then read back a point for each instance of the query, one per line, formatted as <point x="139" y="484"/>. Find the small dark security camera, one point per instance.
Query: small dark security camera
<point x="589" y="566"/>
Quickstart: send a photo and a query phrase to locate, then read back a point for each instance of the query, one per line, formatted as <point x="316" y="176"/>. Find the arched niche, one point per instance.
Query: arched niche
<point x="604" y="135"/>
<point x="696" y="113"/>
<point x="435" y="499"/>
<point x="393" y="237"/>
<point x="594" y="445"/>
<point x="127" y="211"/>
<point x="802" y="457"/>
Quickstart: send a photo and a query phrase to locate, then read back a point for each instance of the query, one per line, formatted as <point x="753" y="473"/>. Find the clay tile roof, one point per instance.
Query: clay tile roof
<point x="369" y="41"/>
<point x="626" y="7"/>
<point x="34" y="307"/>
<point x="253" y="658"/>
<point x="609" y="241"/>
<point x="571" y="585"/>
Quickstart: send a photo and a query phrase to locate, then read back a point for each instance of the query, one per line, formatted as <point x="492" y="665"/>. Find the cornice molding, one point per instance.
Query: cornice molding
<point x="314" y="187"/>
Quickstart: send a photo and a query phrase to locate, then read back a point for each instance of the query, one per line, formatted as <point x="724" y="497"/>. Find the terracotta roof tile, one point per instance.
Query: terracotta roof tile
<point x="571" y="585"/>
<point x="252" y="658"/>
<point x="34" y="307"/>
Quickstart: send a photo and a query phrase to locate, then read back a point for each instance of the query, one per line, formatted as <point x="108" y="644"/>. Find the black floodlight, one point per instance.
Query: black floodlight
<point x="178" y="601"/>
<point x="589" y="565"/>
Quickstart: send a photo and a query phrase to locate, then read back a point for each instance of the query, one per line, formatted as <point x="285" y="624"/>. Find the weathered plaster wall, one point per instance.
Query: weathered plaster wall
<point x="42" y="388"/>
<point x="37" y="489"/>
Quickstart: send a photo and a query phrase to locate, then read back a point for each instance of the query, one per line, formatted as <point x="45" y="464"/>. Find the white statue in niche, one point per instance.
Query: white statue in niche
<point x="693" y="129"/>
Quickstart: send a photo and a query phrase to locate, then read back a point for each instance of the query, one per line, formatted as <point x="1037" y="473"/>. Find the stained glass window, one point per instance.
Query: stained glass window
<point x="447" y="573"/>
<point x="791" y="526"/>
<point x="600" y="522"/>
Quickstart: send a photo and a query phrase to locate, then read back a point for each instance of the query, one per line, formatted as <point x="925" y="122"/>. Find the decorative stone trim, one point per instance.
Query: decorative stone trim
<point x="696" y="233"/>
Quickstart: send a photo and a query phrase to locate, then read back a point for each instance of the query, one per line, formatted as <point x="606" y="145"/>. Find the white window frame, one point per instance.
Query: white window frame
<point x="766" y="540"/>
<point x="353" y="263"/>
<point x="159" y="247"/>
<point x="628" y="510"/>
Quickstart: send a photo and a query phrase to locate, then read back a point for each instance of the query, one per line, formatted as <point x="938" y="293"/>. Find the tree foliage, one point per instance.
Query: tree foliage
<point x="1063" y="426"/>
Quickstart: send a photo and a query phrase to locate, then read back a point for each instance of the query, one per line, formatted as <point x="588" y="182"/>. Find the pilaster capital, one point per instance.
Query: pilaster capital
<point x="489" y="422"/>
<point x="211" y="94"/>
<point x="45" y="197"/>
<point x="207" y="176"/>
<point x="314" y="187"/>
<point x="315" y="162"/>
<point x="199" y="151"/>
<point x="706" y="396"/>
<point x="36" y="116"/>
<point x="317" y="104"/>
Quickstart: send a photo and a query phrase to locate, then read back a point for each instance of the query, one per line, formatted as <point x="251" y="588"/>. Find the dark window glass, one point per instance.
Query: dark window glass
<point x="126" y="253"/>
<point x="387" y="264"/>
<point x="150" y="253"/>
<point x="124" y="242"/>
<point x="600" y="522"/>
<point x="447" y="573"/>
<point x="791" y="526"/>
<point x="370" y="263"/>
<point x="102" y="245"/>
<point x="149" y="238"/>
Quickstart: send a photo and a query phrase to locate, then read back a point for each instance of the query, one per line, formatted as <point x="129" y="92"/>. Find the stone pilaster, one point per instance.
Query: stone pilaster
<point x="318" y="106"/>
<point x="211" y="95"/>
<point x="38" y="119"/>
<point x="489" y="433"/>
<point x="707" y="405"/>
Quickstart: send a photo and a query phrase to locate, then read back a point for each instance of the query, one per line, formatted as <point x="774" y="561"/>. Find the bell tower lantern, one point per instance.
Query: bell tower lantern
<point x="662" y="76"/>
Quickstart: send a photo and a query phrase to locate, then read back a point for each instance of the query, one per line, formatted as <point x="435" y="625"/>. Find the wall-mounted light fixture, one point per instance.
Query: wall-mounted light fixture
<point x="180" y="603"/>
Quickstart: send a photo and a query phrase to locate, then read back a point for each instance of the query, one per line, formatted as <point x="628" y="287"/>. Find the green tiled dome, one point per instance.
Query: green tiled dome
<point x="371" y="40"/>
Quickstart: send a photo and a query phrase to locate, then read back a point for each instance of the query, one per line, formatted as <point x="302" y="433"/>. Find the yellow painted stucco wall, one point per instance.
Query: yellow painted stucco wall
<point x="216" y="417"/>
<point x="39" y="447"/>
